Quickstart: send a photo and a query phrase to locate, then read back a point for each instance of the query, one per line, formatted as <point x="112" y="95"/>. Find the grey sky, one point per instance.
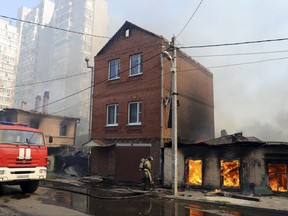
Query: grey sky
<point x="248" y="97"/>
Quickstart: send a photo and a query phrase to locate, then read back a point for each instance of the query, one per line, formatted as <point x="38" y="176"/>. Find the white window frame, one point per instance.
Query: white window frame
<point x="138" y="113"/>
<point x="136" y="66"/>
<point x="116" y="64"/>
<point x="115" y="115"/>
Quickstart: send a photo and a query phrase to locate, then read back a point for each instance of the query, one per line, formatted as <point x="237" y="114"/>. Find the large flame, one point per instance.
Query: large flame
<point x="230" y="173"/>
<point x="195" y="172"/>
<point x="277" y="177"/>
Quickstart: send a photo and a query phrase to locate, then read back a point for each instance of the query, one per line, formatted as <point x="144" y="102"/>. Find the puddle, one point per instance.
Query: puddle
<point x="151" y="206"/>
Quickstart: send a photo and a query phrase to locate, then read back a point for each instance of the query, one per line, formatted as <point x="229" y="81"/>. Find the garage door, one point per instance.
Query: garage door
<point x="128" y="157"/>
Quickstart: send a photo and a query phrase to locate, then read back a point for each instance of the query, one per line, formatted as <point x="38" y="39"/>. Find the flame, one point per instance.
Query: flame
<point x="195" y="172"/>
<point x="277" y="177"/>
<point x="230" y="173"/>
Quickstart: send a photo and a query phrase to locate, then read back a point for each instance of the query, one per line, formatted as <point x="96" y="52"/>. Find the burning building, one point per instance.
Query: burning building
<point x="231" y="163"/>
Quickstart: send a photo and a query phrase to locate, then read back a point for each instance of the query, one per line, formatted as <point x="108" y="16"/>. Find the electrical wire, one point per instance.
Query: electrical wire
<point x="245" y="63"/>
<point x="234" y="44"/>
<point x="239" y="54"/>
<point x="190" y="18"/>
<point x="75" y="93"/>
<point x="53" y="27"/>
<point x="60" y="78"/>
<point x="52" y="80"/>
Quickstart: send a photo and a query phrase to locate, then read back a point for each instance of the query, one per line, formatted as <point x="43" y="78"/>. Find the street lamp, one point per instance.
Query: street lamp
<point x="91" y="97"/>
<point x="174" y="114"/>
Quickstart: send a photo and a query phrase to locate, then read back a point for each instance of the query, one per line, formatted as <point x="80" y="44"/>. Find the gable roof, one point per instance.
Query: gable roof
<point x="121" y="33"/>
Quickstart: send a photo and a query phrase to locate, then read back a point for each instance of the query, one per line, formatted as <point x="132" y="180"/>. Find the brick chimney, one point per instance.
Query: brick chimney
<point x="45" y="102"/>
<point x="37" y="103"/>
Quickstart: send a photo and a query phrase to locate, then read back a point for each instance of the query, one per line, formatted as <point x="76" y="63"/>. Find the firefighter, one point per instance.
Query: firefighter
<point x="145" y="171"/>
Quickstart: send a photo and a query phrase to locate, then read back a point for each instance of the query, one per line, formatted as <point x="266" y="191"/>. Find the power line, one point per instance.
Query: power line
<point x="239" y="54"/>
<point x="234" y="44"/>
<point x="190" y="18"/>
<point x="75" y="93"/>
<point x="45" y="81"/>
<point x="245" y="63"/>
<point x="56" y="79"/>
<point x="53" y="27"/>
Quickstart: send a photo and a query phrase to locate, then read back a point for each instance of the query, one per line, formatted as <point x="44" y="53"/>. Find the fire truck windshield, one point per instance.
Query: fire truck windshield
<point x="21" y="137"/>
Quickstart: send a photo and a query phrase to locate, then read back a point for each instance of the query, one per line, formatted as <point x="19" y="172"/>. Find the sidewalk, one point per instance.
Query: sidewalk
<point x="92" y="187"/>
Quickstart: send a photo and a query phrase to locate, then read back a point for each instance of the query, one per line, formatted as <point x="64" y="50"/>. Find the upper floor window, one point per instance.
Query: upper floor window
<point x="135" y="64"/>
<point x="127" y="33"/>
<point x="114" y="69"/>
<point x="134" y="113"/>
<point x="112" y="115"/>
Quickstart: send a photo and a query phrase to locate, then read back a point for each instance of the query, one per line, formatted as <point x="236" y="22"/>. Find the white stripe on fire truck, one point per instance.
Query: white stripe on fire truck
<point x="21" y="153"/>
<point x="28" y="154"/>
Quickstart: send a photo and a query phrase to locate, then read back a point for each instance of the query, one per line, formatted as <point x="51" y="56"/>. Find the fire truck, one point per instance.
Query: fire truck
<point x="23" y="156"/>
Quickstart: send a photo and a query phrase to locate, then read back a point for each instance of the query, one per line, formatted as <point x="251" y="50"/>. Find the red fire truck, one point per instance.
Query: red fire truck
<point x="23" y="156"/>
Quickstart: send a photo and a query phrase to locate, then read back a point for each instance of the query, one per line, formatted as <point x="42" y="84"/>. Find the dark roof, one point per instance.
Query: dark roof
<point x="233" y="139"/>
<point x="273" y="143"/>
<point x="120" y="33"/>
<point x="40" y="114"/>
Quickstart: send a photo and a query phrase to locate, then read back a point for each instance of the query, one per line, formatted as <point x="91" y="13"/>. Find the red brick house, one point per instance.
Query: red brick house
<point x="131" y="106"/>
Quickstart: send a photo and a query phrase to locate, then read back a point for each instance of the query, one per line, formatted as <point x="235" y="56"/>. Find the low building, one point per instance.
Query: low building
<point x="232" y="163"/>
<point x="61" y="128"/>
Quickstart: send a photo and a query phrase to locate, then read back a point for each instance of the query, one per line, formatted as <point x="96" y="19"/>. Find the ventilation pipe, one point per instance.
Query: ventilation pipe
<point x="37" y="103"/>
<point x="23" y="105"/>
<point x="45" y="102"/>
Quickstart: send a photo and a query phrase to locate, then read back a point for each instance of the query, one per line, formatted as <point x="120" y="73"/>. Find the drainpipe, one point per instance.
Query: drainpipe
<point x="161" y="121"/>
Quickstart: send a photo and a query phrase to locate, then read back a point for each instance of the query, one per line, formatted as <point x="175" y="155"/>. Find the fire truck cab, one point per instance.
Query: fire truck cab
<point x="23" y="156"/>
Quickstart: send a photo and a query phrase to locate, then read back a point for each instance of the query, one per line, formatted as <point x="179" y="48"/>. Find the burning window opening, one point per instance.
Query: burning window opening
<point x="277" y="177"/>
<point x="194" y="172"/>
<point x="230" y="173"/>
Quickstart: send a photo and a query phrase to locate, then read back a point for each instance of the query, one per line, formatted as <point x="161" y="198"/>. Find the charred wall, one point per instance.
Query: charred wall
<point x="252" y="170"/>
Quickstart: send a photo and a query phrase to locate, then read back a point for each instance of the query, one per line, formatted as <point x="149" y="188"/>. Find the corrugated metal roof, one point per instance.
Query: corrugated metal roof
<point x="233" y="139"/>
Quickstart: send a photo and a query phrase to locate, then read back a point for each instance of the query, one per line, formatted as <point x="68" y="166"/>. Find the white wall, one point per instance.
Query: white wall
<point x="168" y="171"/>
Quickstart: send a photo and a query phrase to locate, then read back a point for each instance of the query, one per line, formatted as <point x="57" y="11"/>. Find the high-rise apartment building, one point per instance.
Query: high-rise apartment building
<point x="52" y="59"/>
<point x="34" y="54"/>
<point x="9" y="48"/>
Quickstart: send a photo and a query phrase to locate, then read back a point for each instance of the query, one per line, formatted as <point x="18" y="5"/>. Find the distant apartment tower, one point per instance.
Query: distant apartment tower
<point x="34" y="52"/>
<point x="9" y="48"/>
<point x="79" y="29"/>
<point x="89" y="18"/>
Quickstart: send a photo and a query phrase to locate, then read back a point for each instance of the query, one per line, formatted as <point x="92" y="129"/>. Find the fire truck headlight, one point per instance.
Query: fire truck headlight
<point x="42" y="170"/>
<point x="2" y="172"/>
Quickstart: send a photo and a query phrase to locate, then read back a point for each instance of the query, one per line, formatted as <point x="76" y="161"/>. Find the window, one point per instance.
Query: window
<point x="230" y="173"/>
<point x="34" y="124"/>
<point x="135" y="64"/>
<point x="277" y="173"/>
<point x="114" y="69"/>
<point x="134" y="113"/>
<point x="112" y="115"/>
<point x="63" y="130"/>
<point x="127" y="33"/>
<point x="194" y="171"/>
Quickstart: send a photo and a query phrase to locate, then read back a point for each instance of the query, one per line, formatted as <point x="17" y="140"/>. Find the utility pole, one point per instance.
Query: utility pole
<point x="174" y="94"/>
<point x="91" y="97"/>
<point x="174" y="117"/>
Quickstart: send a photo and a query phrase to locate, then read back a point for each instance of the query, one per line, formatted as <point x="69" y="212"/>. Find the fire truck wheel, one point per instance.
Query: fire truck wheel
<point x="29" y="186"/>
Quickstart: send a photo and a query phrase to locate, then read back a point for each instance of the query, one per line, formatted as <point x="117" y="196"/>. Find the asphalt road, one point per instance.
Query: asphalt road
<point x="14" y="203"/>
